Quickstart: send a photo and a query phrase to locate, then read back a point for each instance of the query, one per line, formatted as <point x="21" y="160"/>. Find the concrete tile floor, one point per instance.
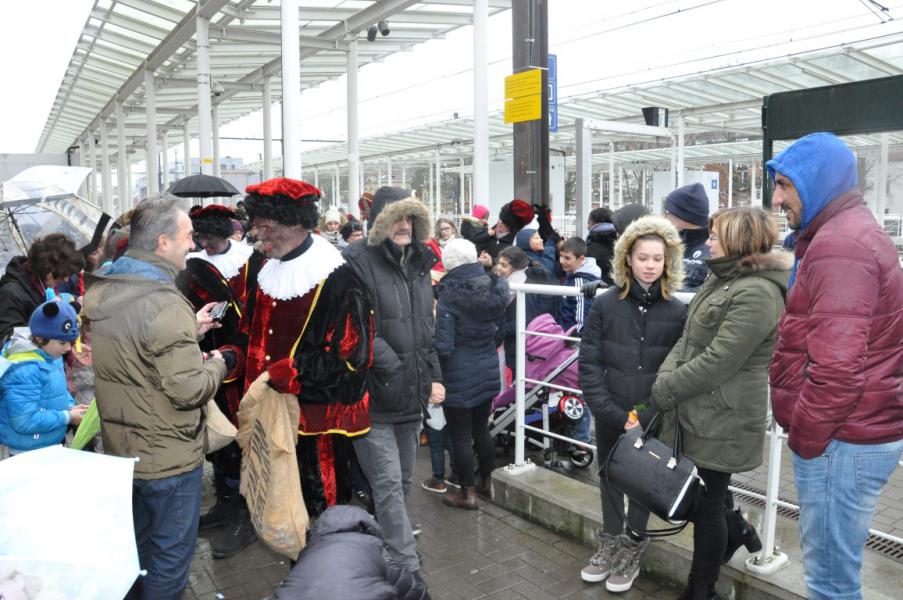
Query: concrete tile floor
<point x="487" y="554"/>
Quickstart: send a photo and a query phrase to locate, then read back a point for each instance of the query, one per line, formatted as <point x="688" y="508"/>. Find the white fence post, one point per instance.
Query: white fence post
<point x="767" y="561"/>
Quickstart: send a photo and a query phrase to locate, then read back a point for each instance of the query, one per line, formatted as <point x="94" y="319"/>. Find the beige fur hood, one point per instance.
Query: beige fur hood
<point x="674" y="250"/>
<point x="391" y="212"/>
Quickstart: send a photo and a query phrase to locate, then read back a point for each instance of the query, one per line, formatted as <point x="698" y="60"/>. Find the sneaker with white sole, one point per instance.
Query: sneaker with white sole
<point x="599" y="567"/>
<point x="434" y="484"/>
<point x="627" y="565"/>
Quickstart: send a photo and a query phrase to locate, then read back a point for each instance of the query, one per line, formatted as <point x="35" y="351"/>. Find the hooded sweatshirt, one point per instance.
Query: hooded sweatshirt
<point x="34" y="399"/>
<point x="573" y="310"/>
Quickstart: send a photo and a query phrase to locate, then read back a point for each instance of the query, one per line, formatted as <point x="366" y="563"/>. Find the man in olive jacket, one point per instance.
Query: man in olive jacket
<point x="395" y="265"/>
<point x="151" y="381"/>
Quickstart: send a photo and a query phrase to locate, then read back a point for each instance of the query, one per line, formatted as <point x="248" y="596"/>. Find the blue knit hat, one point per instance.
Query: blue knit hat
<point x="54" y="321"/>
<point x="689" y="203"/>
<point x="522" y="239"/>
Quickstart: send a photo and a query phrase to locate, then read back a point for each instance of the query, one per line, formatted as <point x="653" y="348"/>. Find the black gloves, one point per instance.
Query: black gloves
<point x="229" y="359"/>
<point x="589" y="289"/>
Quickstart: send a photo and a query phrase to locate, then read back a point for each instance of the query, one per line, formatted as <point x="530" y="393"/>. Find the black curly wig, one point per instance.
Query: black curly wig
<point x="219" y="226"/>
<point x="283" y="209"/>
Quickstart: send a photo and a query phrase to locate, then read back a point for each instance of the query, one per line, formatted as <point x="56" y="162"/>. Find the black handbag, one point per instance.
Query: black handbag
<point x="654" y="476"/>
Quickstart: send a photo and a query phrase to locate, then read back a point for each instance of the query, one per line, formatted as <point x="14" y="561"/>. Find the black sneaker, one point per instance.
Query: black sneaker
<point x="224" y="511"/>
<point x="231" y="541"/>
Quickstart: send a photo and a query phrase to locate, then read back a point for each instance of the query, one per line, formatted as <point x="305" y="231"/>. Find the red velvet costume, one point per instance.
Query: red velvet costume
<point x="299" y="331"/>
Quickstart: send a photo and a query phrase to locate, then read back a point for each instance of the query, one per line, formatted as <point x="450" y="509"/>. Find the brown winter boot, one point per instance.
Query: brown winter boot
<point x="484" y="486"/>
<point x="466" y="498"/>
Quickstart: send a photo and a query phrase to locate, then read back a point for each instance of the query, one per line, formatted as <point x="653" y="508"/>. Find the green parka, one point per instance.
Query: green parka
<point x="150" y="377"/>
<point x="715" y="379"/>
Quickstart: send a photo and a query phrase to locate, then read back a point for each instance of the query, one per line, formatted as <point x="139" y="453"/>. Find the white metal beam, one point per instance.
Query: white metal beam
<point x="290" y="62"/>
<point x="153" y="184"/>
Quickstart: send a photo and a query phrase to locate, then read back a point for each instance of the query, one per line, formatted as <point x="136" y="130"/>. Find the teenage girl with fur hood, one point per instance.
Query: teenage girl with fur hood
<point x="630" y="330"/>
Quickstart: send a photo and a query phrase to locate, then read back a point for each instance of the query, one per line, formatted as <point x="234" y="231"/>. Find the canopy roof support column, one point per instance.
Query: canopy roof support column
<point x="150" y="158"/>
<point x="107" y="176"/>
<point x="267" y="129"/>
<point x="480" y="177"/>
<point x="92" y="162"/>
<point x="404" y="177"/>
<point x="291" y="89"/>
<point x="217" y="167"/>
<point x="611" y="175"/>
<point x="438" y="208"/>
<point x="186" y="141"/>
<point x="122" y="161"/>
<point x="881" y="204"/>
<point x="752" y="185"/>
<point x="164" y="158"/>
<point x="335" y="186"/>
<point x="583" y="160"/>
<point x="432" y="189"/>
<point x="460" y="204"/>
<point x="680" y="150"/>
<point x="389" y="170"/>
<point x="730" y="183"/>
<point x="316" y="178"/>
<point x="203" y="78"/>
<point x="354" y="171"/>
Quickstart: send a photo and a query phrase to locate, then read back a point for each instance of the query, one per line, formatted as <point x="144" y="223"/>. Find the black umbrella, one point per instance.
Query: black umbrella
<point x="202" y="186"/>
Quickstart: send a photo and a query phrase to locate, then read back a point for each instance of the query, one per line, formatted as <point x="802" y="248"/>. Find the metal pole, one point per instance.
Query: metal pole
<point x="752" y="185"/>
<point x="611" y="175"/>
<point x="203" y="77"/>
<point x="768" y="560"/>
<point x="583" y="148"/>
<point x="673" y="157"/>
<point x="335" y="186"/>
<point x="460" y="206"/>
<point x="438" y="206"/>
<point x="620" y="187"/>
<point x="881" y="206"/>
<point x="730" y="183"/>
<point x="217" y="167"/>
<point x="164" y="160"/>
<point x="92" y="162"/>
<point x="316" y="178"/>
<point x="106" y="175"/>
<point x="432" y="191"/>
<point x="267" y="129"/>
<point x="354" y="171"/>
<point x="680" y="150"/>
<point x="186" y="141"/>
<point x="521" y="352"/>
<point x="122" y="161"/>
<point x="404" y="177"/>
<point x="150" y="159"/>
<point x="480" y="172"/>
<point x="389" y="170"/>
<point x="601" y="185"/>
<point x="644" y="187"/>
<point x="291" y="89"/>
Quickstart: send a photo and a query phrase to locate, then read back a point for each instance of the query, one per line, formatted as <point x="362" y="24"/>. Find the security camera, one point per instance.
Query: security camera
<point x="217" y="88"/>
<point x="383" y="27"/>
<point x="371" y="33"/>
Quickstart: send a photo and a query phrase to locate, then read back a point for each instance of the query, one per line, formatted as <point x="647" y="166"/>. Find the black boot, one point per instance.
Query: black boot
<point x="691" y="593"/>
<point x="224" y="511"/>
<point x="739" y="533"/>
<point x="233" y="540"/>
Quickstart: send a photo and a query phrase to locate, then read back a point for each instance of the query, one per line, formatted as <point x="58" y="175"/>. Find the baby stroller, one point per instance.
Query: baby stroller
<point x="549" y="360"/>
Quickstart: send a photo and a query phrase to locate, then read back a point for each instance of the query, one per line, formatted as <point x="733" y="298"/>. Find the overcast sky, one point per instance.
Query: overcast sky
<point x="600" y="45"/>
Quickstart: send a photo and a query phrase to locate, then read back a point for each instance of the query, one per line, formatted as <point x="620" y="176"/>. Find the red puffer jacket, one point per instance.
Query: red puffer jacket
<point x="837" y="369"/>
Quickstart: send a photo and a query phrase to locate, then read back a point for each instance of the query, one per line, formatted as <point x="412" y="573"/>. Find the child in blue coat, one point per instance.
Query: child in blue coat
<point x="35" y="404"/>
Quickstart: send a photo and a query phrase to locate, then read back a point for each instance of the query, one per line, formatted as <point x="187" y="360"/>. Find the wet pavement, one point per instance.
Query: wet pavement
<point x="487" y="554"/>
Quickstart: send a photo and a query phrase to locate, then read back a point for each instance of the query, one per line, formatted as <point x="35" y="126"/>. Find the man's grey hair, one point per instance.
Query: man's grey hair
<point x="154" y="216"/>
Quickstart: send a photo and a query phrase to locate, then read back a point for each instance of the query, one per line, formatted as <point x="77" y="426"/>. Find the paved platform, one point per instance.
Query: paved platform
<point x="487" y="554"/>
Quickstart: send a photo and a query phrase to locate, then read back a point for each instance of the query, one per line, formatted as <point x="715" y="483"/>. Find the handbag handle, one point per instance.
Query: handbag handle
<point x="676" y="446"/>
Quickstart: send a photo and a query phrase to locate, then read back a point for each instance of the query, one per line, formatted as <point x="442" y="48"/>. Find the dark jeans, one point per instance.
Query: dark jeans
<point x="469" y="428"/>
<point x="613" y="500"/>
<point x="166" y="513"/>
<point x="440" y="441"/>
<point x="226" y="470"/>
<point x="709" y="530"/>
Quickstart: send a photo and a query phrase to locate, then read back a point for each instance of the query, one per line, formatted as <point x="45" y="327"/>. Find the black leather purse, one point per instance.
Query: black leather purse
<point x="654" y="476"/>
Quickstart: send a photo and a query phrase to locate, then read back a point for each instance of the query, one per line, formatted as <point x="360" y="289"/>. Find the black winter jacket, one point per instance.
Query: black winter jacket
<point x="476" y="232"/>
<point x="346" y="560"/>
<point x="600" y="244"/>
<point x="469" y="328"/>
<point x="19" y="296"/>
<point x="404" y="362"/>
<point x="624" y="343"/>
<point x="695" y="255"/>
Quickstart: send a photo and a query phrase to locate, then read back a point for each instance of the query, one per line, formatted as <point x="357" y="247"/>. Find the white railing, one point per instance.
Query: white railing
<point x="769" y="559"/>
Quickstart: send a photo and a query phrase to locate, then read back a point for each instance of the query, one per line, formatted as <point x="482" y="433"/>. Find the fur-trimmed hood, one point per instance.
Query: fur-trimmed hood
<point x="774" y="266"/>
<point x="470" y="290"/>
<point x="674" y="251"/>
<point x="391" y="212"/>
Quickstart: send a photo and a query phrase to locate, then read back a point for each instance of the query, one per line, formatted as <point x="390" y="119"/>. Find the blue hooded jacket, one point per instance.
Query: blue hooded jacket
<point x="822" y="168"/>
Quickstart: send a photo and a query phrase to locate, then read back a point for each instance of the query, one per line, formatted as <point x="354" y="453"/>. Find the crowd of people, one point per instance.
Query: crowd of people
<point x="391" y="324"/>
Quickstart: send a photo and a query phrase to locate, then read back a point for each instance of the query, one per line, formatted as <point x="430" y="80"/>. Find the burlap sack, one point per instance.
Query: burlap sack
<point x="270" y="481"/>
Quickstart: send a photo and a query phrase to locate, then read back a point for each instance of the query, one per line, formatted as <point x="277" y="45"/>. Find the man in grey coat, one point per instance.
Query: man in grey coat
<point x="394" y="264"/>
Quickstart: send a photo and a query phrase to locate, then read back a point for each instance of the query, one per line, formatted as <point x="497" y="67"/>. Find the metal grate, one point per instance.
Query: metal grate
<point x="886" y="548"/>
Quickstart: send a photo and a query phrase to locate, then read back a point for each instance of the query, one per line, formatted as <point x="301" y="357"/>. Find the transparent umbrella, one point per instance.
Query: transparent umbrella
<point x="66" y="524"/>
<point x="42" y="200"/>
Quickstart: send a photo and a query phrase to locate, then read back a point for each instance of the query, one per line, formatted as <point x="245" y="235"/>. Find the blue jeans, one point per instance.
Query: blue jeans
<point x="838" y="492"/>
<point x="166" y="513"/>
<point x="580" y="430"/>
<point x="440" y="442"/>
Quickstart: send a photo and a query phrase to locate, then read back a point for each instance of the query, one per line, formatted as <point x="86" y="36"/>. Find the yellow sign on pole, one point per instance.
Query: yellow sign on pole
<point x="523" y="96"/>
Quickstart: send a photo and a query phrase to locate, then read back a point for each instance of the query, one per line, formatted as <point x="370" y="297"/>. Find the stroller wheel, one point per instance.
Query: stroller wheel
<point x="582" y="458"/>
<point x="571" y="406"/>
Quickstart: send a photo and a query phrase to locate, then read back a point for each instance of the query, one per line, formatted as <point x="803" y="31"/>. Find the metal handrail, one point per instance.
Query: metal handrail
<point x="768" y="560"/>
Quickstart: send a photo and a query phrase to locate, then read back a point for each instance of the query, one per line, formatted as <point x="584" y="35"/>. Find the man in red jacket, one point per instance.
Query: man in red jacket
<point x="837" y="370"/>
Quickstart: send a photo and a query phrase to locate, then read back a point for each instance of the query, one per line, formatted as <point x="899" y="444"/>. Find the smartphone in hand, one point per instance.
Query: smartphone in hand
<point x="219" y="311"/>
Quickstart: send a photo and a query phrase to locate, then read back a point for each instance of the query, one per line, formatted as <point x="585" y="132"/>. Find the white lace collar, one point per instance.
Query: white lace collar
<point x="294" y="278"/>
<point x="230" y="262"/>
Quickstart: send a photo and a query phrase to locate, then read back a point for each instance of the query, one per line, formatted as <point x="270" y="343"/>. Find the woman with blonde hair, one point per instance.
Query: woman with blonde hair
<point x="715" y="380"/>
<point x="445" y="231"/>
<point x="629" y="331"/>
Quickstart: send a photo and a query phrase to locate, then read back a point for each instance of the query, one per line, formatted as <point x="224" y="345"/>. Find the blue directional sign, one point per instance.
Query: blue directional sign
<point x="553" y="93"/>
